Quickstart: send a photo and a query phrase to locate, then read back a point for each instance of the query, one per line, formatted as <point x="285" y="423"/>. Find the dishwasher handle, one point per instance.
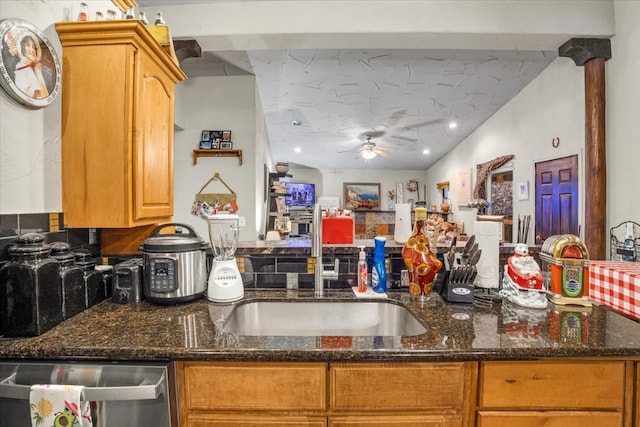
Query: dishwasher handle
<point x="146" y="390"/>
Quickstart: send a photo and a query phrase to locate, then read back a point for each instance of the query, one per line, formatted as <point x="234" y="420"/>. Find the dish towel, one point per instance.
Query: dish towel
<point x="58" y="405"/>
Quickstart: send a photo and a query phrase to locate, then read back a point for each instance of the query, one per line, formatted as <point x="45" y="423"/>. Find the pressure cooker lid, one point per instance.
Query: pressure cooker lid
<point x="176" y="242"/>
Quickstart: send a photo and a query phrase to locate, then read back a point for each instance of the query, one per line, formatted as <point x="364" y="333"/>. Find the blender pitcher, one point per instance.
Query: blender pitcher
<point x="225" y="282"/>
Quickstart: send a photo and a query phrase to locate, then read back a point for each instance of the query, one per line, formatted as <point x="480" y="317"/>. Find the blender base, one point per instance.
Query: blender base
<point x="225" y="283"/>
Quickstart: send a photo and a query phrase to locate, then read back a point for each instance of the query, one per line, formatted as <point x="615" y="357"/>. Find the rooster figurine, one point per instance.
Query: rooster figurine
<point x="522" y="280"/>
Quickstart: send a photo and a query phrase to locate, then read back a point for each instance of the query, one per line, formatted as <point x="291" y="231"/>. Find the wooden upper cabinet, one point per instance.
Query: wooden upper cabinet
<point x="117" y="125"/>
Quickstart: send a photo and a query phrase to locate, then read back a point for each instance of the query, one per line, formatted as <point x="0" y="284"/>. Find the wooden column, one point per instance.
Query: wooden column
<point x="592" y="54"/>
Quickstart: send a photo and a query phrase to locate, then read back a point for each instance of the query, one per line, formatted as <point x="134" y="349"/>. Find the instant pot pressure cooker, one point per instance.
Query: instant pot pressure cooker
<point x="174" y="265"/>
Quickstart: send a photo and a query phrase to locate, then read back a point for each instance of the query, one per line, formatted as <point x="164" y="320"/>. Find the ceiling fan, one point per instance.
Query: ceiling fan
<point x="370" y="150"/>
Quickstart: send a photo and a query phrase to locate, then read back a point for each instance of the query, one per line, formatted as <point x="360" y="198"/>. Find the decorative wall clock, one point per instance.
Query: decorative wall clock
<point x="29" y="66"/>
<point x="412" y="185"/>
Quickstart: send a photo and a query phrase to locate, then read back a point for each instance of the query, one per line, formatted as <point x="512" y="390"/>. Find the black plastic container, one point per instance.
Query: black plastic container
<point x="30" y="289"/>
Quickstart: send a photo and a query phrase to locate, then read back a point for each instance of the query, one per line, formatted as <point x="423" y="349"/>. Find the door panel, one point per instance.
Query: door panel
<point x="556" y="198"/>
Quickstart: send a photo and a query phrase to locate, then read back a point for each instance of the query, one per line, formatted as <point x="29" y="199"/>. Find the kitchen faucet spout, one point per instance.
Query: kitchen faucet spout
<point x="316" y="251"/>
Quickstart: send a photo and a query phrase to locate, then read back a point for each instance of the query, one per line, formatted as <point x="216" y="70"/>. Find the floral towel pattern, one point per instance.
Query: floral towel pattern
<point x="55" y="405"/>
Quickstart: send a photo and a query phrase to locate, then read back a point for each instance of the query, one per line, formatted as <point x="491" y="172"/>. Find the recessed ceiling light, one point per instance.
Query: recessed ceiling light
<point x="298" y="150"/>
<point x="425" y="151"/>
<point x="296" y="122"/>
<point x="453" y="125"/>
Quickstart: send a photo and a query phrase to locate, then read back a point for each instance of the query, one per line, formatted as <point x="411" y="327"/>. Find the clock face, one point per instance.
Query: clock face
<point x="29" y="66"/>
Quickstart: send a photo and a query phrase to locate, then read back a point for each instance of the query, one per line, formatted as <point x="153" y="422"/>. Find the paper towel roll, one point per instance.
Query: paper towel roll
<point x="487" y="237"/>
<point x="403" y="222"/>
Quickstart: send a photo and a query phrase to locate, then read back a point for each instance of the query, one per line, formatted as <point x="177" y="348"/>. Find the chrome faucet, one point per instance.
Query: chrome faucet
<point x="316" y="251"/>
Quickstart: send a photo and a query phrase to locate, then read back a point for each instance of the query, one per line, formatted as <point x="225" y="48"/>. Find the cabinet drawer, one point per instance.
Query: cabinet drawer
<point x="263" y="386"/>
<point x="406" y="386"/>
<point x="396" y="421"/>
<point x="255" y="421"/>
<point x="594" y="385"/>
<point x="549" y="419"/>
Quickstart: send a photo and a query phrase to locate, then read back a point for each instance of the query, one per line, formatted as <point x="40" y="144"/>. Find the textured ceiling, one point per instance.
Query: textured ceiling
<point x="403" y="99"/>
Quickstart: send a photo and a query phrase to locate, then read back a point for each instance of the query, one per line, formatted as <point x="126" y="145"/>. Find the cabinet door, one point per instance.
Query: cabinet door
<point x="253" y="387"/>
<point x="636" y="421"/>
<point x="398" y="420"/>
<point x="404" y="386"/>
<point x="153" y="144"/>
<point x="592" y="385"/>
<point x="254" y="421"/>
<point x="549" y="419"/>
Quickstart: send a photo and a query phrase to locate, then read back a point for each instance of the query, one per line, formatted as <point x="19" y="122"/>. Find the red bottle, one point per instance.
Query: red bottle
<point x="421" y="263"/>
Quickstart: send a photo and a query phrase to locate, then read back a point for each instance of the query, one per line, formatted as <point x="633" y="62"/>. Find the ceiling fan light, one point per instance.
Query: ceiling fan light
<point x="453" y="125"/>
<point x="368" y="154"/>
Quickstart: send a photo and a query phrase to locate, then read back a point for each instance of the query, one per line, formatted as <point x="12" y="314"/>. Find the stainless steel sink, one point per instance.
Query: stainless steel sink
<point x="322" y="318"/>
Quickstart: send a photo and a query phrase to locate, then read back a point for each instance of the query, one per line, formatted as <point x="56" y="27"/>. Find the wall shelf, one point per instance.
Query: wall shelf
<point x="216" y="153"/>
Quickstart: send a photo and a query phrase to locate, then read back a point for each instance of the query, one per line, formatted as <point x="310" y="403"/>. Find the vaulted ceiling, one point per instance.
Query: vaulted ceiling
<point x="326" y="102"/>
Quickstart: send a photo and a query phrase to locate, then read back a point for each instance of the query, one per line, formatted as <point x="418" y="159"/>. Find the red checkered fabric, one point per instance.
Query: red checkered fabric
<point x="617" y="285"/>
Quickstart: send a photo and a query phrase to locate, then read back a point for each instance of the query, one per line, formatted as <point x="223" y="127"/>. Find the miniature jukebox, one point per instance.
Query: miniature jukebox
<point x="565" y="270"/>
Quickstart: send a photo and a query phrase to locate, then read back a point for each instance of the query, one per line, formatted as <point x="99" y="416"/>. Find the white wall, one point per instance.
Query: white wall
<point x="329" y="182"/>
<point x="225" y="103"/>
<point x="623" y="117"/>
<point x="551" y="106"/>
<point x="30" y="139"/>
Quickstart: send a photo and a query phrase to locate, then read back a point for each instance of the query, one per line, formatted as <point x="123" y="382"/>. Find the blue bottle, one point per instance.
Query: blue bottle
<point x="379" y="270"/>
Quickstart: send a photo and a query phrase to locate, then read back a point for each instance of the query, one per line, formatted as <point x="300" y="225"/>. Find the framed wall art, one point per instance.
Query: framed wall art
<point x="523" y="189"/>
<point x="29" y="66"/>
<point x="361" y="196"/>
<point x="226" y="145"/>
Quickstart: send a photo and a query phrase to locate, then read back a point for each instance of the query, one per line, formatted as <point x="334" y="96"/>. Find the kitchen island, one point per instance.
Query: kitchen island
<point x="475" y="365"/>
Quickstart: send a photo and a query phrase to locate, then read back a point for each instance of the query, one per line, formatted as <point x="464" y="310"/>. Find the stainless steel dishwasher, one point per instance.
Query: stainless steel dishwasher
<point x="122" y="394"/>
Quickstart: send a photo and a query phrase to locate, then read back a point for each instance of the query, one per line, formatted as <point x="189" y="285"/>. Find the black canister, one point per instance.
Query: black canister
<point x="72" y="279"/>
<point x="94" y="291"/>
<point x="30" y="289"/>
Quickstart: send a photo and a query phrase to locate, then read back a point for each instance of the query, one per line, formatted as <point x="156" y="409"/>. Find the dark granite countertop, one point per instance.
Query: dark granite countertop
<point x="149" y="332"/>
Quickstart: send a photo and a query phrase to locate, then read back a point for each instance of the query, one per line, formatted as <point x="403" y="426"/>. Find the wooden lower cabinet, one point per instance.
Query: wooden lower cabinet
<point x="636" y="412"/>
<point x="566" y="393"/>
<point x="548" y="419"/>
<point x="325" y="394"/>
<point x="397" y="420"/>
<point x="555" y="394"/>
<point x="255" y="421"/>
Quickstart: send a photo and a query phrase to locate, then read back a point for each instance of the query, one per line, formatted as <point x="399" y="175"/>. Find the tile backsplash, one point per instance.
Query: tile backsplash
<point x="48" y="224"/>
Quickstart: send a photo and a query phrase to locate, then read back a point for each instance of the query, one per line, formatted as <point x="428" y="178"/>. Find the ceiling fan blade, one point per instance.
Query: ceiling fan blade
<point x="425" y="123"/>
<point x="347" y="151"/>
<point x="395" y="118"/>
<point x="372" y="134"/>
<point x="381" y="153"/>
<point x="406" y="138"/>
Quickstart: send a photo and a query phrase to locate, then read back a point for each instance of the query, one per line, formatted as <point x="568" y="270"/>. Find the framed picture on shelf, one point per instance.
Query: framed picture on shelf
<point x="205" y="145"/>
<point x="226" y="135"/>
<point x="206" y="136"/>
<point x="226" y="145"/>
<point x="215" y="145"/>
<point x="361" y="196"/>
<point x="216" y="135"/>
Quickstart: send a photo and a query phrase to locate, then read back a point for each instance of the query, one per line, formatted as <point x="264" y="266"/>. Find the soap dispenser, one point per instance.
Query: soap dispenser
<point x="379" y="270"/>
<point x="362" y="270"/>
